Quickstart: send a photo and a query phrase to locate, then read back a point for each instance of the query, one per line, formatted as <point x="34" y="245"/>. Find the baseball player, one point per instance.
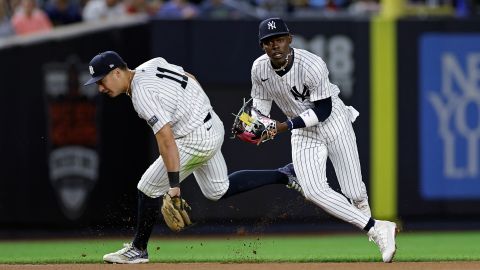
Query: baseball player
<point x="189" y="136"/>
<point x="321" y="126"/>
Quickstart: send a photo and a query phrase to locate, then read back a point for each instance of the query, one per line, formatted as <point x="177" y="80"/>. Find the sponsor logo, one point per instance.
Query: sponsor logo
<point x="152" y="121"/>
<point x="449" y="124"/>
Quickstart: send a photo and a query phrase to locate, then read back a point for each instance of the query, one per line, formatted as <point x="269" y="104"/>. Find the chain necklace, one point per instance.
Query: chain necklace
<point x="285" y="65"/>
<point x="129" y="90"/>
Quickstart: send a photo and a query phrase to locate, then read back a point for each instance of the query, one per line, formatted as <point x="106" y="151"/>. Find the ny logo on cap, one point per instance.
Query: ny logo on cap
<point x="91" y="70"/>
<point x="271" y="25"/>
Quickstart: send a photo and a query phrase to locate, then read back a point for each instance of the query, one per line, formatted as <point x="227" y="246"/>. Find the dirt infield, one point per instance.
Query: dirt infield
<point x="252" y="266"/>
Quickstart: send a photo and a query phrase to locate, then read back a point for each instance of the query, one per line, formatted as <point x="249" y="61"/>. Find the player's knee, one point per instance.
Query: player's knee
<point x="215" y="192"/>
<point x="312" y="194"/>
<point x="214" y="196"/>
<point x="309" y="194"/>
<point x="151" y="192"/>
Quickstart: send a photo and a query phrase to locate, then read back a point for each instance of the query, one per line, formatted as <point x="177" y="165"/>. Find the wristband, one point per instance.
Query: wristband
<point x="309" y="117"/>
<point x="295" y="123"/>
<point x="174" y="179"/>
<point x="289" y="124"/>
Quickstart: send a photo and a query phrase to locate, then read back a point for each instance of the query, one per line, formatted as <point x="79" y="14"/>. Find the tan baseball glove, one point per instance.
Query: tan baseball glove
<point x="174" y="211"/>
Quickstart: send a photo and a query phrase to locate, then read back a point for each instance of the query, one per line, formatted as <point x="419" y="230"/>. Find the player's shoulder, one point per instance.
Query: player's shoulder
<point x="309" y="60"/>
<point x="260" y="62"/>
<point x="152" y="63"/>
<point x="306" y="55"/>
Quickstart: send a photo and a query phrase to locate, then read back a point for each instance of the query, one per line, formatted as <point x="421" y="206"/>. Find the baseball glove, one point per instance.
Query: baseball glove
<point x="174" y="211"/>
<point x="250" y="125"/>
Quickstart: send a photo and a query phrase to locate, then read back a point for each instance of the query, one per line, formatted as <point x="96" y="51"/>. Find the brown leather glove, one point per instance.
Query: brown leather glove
<point x="174" y="211"/>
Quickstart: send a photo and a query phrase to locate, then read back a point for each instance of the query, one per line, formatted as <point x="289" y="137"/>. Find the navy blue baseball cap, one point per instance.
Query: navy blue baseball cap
<point x="102" y="64"/>
<point x="272" y="27"/>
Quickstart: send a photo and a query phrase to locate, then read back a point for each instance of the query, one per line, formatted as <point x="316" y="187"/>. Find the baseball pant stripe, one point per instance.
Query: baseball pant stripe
<point x="309" y="159"/>
<point x="200" y="151"/>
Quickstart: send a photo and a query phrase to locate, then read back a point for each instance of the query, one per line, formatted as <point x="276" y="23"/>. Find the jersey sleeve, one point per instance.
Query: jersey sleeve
<point x="261" y="98"/>
<point x="152" y="111"/>
<point x="258" y="91"/>
<point x="264" y="106"/>
<point x="317" y="80"/>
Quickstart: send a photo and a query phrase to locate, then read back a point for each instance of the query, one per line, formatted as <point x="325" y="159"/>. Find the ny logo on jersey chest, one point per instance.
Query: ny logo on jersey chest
<point x="297" y="95"/>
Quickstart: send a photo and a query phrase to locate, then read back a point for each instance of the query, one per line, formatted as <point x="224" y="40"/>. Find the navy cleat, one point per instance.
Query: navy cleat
<point x="292" y="177"/>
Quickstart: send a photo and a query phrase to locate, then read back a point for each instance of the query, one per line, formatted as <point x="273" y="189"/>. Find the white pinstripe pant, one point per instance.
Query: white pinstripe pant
<point x="309" y="154"/>
<point x="199" y="154"/>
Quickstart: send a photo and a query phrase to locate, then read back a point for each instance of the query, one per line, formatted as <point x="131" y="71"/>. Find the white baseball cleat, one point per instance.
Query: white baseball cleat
<point x="363" y="206"/>
<point x="383" y="234"/>
<point x="129" y="254"/>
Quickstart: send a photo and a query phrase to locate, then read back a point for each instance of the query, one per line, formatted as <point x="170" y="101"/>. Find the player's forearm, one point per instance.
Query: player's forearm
<point x="170" y="157"/>
<point x="282" y="127"/>
<point x="169" y="151"/>
<point x="172" y="163"/>
<point x="308" y="118"/>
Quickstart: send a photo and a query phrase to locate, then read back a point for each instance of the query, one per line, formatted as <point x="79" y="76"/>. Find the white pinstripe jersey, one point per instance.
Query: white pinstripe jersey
<point x="162" y="93"/>
<point x="295" y="91"/>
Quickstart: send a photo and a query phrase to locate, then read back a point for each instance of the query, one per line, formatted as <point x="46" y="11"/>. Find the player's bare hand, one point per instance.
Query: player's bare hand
<point x="174" y="192"/>
<point x="264" y="137"/>
<point x="281" y="127"/>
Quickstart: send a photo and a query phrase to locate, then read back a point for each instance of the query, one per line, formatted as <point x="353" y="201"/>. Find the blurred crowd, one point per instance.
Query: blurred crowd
<point x="22" y="17"/>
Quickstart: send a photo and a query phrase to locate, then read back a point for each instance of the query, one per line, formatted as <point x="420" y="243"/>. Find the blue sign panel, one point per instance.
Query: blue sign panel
<point x="449" y="116"/>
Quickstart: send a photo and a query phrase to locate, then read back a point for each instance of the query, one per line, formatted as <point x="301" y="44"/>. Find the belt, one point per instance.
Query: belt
<point x="208" y="117"/>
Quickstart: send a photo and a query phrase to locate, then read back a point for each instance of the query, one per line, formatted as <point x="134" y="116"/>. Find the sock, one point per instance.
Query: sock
<point x="246" y="180"/>
<point x="148" y="211"/>
<point x="370" y="224"/>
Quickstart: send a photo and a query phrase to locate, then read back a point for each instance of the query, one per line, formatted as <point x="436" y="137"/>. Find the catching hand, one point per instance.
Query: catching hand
<point x="174" y="211"/>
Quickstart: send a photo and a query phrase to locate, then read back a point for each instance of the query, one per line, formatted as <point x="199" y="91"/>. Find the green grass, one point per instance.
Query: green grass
<point x="442" y="246"/>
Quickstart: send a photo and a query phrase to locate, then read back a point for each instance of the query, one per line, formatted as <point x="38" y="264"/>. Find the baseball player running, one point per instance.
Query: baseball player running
<point x="321" y="126"/>
<point x="189" y="136"/>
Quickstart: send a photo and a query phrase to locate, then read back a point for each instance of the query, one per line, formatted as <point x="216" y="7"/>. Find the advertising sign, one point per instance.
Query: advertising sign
<point x="449" y="101"/>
